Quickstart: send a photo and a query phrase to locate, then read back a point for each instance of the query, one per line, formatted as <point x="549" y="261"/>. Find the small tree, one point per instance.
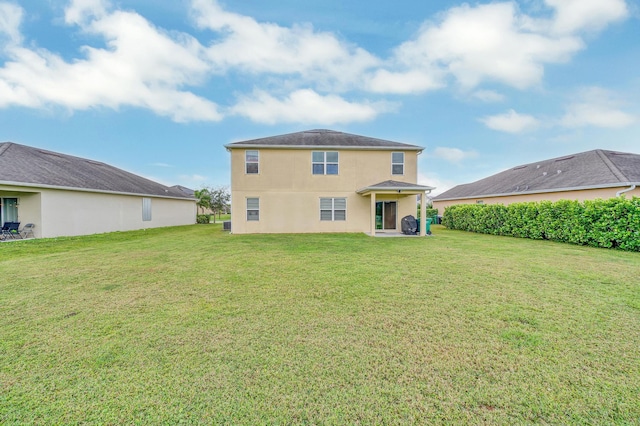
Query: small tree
<point x="220" y="198"/>
<point x="204" y="199"/>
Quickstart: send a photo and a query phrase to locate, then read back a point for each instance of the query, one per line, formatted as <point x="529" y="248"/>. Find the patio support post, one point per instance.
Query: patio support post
<point x="373" y="214"/>
<point x="423" y="214"/>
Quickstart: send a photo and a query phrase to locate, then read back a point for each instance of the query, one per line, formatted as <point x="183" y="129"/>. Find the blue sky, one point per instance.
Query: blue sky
<point x="158" y="87"/>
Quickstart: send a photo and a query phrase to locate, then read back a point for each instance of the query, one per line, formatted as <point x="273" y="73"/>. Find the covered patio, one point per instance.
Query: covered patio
<point x="383" y="200"/>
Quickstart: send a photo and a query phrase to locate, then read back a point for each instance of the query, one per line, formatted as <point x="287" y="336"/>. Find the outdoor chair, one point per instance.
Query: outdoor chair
<point x="10" y="230"/>
<point x="27" y="231"/>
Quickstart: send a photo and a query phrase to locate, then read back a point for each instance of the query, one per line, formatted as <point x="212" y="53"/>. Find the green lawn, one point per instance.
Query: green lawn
<point x="194" y="325"/>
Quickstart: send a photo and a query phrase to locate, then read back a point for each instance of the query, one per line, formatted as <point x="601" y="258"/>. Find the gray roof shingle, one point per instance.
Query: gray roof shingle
<point x="322" y="138"/>
<point x="591" y="169"/>
<point x="394" y="185"/>
<point x="25" y="165"/>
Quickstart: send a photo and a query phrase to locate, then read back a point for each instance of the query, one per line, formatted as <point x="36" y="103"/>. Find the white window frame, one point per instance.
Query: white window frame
<point x="247" y="162"/>
<point x="397" y="164"/>
<point x="333" y="209"/>
<point x="325" y="163"/>
<point x="253" y="209"/>
<point x="146" y="209"/>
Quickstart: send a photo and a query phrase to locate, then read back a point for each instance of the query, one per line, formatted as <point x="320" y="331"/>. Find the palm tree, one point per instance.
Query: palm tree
<point x="204" y="199"/>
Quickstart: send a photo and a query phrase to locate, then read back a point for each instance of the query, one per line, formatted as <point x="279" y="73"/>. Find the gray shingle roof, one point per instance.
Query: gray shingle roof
<point x="186" y="191"/>
<point x="393" y="185"/>
<point x="25" y="165"/>
<point x="592" y="169"/>
<point x="321" y="138"/>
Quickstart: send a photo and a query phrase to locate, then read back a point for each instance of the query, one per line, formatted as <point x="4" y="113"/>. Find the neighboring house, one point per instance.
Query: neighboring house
<point x="584" y="176"/>
<point x="184" y="190"/>
<point x="323" y="181"/>
<point x="65" y="195"/>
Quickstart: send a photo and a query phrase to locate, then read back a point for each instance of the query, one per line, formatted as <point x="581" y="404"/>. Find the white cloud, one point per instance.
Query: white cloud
<point x="511" y="122"/>
<point x="306" y="106"/>
<point x="599" y="108"/>
<point x="453" y="155"/>
<point x="578" y="15"/>
<point x="413" y="81"/>
<point x="256" y="47"/>
<point x="440" y="185"/>
<point x="133" y="63"/>
<point x="488" y="96"/>
<point x="141" y="66"/>
<point x="10" y="20"/>
<point x="81" y="11"/>
<point x="194" y="178"/>
<point x="491" y="42"/>
<point x="161" y="165"/>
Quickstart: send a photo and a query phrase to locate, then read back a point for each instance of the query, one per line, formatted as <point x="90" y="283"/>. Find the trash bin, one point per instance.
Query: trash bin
<point x="427" y="226"/>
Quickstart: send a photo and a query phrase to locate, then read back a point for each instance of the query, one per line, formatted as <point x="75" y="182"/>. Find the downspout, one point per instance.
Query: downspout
<point x="619" y="193"/>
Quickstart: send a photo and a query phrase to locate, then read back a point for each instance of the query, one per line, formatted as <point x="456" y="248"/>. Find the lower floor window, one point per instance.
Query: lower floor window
<point x="333" y="208"/>
<point x="253" y="208"/>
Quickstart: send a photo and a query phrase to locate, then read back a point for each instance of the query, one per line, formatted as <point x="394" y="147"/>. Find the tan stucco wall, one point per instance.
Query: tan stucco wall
<point x="290" y="194"/>
<point x="591" y="194"/>
<point x="67" y="213"/>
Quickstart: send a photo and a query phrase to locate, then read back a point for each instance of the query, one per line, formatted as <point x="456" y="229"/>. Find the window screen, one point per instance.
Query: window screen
<point x="146" y="209"/>
<point x="253" y="209"/>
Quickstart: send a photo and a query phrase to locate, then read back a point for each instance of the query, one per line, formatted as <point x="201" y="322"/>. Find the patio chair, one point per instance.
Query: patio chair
<point x="27" y="231"/>
<point x="10" y="230"/>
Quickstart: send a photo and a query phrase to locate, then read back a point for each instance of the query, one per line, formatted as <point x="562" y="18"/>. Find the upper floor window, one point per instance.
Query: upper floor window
<point x="324" y="163"/>
<point x="397" y="163"/>
<point x="251" y="161"/>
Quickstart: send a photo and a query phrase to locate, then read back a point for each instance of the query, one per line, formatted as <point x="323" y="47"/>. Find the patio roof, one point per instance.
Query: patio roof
<point x="395" y="187"/>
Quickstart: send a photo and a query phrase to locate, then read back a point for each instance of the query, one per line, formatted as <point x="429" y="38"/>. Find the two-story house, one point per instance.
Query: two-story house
<point x="323" y="181"/>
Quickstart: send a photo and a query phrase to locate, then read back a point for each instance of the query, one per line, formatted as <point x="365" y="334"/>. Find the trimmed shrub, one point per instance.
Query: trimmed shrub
<point x="203" y="218"/>
<point x="613" y="223"/>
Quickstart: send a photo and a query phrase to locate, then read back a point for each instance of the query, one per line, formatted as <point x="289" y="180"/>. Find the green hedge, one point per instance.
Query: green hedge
<point x="429" y="212"/>
<point x="613" y="223"/>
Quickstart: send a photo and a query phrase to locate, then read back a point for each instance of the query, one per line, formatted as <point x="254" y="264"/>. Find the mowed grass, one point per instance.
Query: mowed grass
<point x="194" y="325"/>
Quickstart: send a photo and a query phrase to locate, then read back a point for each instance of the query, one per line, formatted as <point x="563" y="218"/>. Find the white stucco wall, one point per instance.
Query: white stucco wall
<point x="80" y="213"/>
<point x="58" y="212"/>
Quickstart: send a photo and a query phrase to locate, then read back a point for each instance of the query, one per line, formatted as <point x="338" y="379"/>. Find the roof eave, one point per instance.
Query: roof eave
<point x="336" y="147"/>
<point x="101" y="191"/>
<point x="412" y="190"/>
<point x="543" y="191"/>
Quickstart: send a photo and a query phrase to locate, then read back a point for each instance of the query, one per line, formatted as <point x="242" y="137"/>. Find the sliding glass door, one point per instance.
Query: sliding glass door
<point x="386" y="212"/>
<point x="9" y="210"/>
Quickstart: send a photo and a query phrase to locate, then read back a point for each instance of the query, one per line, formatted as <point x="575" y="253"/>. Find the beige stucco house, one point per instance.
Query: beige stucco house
<point x="323" y="181"/>
<point x="64" y="195"/>
<point x="583" y="176"/>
